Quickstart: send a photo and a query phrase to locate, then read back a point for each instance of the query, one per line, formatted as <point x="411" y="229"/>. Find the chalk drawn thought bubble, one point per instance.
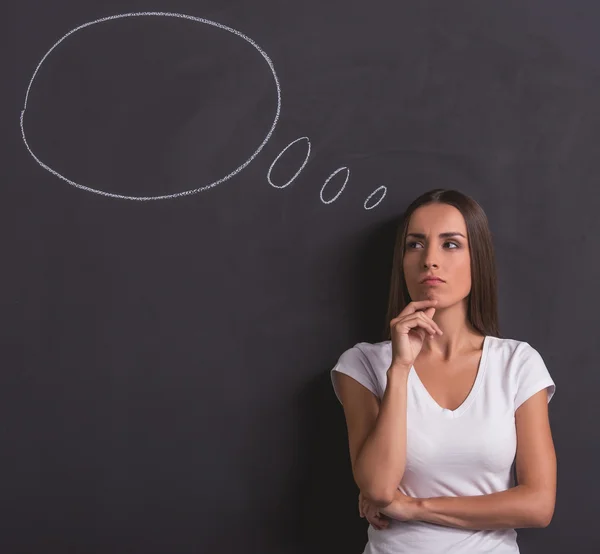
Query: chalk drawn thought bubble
<point x="237" y="170"/>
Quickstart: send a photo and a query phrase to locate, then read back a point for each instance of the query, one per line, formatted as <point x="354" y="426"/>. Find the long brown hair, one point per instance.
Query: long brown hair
<point x="482" y="310"/>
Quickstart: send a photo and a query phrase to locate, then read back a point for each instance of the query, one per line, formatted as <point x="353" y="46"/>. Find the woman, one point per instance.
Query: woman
<point x="440" y="413"/>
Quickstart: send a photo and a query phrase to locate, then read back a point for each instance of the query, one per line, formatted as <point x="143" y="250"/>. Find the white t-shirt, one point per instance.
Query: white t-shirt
<point x="464" y="452"/>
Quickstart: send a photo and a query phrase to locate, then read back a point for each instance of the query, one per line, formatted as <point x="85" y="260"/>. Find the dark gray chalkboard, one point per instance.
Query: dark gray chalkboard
<point x="166" y="361"/>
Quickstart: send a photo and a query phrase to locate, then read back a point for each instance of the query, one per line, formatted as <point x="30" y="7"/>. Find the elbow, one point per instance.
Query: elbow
<point x="542" y="522"/>
<point x="381" y="498"/>
<point x="379" y="492"/>
<point x="544" y="515"/>
<point x="545" y="518"/>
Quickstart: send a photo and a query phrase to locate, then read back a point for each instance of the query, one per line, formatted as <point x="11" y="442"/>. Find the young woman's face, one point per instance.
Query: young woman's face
<point x="447" y="257"/>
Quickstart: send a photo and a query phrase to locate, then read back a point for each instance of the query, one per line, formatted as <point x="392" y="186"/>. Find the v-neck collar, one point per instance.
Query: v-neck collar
<point x="444" y="412"/>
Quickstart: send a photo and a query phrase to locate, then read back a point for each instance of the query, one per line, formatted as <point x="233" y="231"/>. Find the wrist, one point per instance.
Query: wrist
<point x="397" y="370"/>
<point x="419" y="509"/>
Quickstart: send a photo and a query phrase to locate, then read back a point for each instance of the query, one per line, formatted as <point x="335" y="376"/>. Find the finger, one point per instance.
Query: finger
<point x="373" y="514"/>
<point x="433" y="325"/>
<point x="429" y="318"/>
<point x="412" y="307"/>
<point x="383" y="524"/>
<point x="383" y="520"/>
<point x="378" y="523"/>
<point x="363" y="507"/>
<point x="374" y="523"/>
<point x="415" y="321"/>
<point x="428" y="325"/>
<point x="370" y="512"/>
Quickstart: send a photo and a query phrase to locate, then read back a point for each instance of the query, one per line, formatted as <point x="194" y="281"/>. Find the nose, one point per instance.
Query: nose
<point x="428" y="256"/>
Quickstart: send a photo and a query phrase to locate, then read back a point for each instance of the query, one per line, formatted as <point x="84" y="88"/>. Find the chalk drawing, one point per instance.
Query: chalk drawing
<point x="297" y="172"/>
<point x="234" y="172"/>
<point x="329" y="179"/>
<point x="373" y="194"/>
<point x="157" y="14"/>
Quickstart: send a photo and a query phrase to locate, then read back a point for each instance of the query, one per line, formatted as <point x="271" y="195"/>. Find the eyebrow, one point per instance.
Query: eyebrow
<point x="441" y="235"/>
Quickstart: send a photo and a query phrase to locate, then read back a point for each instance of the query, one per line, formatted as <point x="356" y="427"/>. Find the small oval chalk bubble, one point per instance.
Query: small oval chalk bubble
<point x="297" y="172"/>
<point x="382" y="187"/>
<point x="329" y="179"/>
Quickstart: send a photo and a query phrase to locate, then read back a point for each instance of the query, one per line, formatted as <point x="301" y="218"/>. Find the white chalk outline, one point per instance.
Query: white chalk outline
<point x="379" y="201"/>
<point x="160" y="14"/>
<point x="297" y="172"/>
<point x="329" y="179"/>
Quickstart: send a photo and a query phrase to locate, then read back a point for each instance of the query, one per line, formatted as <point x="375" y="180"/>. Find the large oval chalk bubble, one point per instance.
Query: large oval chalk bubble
<point x="168" y="15"/>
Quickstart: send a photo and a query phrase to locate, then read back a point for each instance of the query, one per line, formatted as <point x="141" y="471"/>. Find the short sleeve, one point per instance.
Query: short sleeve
<point x="354" y="362"/>
<point x="532" y="376"/>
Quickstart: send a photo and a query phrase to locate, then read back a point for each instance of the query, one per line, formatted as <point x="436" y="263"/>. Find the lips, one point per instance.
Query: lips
<point x="432" y="280"/>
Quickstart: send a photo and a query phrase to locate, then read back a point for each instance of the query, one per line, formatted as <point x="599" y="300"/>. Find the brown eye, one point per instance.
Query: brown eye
<point x="409" y="244"/>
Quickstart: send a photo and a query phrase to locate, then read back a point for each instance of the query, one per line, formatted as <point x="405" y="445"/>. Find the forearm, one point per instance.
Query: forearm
<point x="513" y="508"/>
<point x="381" y="461"/>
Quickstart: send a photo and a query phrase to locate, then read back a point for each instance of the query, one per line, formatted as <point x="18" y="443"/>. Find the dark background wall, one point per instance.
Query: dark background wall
<point x="165" y="377"/>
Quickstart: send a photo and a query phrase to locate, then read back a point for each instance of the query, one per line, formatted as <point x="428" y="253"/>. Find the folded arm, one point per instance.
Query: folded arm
<point x="514" y="508"/>
<point x="529" y="504"/>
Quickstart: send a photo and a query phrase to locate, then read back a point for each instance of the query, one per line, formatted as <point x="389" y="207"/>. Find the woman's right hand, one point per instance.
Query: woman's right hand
<point x="371" y="513"/>
<point x="409" y="329"/>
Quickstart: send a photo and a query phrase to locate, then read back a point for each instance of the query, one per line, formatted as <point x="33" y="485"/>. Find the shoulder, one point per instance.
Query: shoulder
<point x="512" y="356"/>
<point x="521" y="368"/>
<point x="367" y="363"/>
<point x="376" y="354"/>
<point x="509" y="352"/>
<point x="506" y="357"/>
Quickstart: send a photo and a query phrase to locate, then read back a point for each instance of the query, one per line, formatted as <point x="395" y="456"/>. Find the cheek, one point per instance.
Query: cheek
<point x="460" y="273"/>
<point x="463" y="266"/>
